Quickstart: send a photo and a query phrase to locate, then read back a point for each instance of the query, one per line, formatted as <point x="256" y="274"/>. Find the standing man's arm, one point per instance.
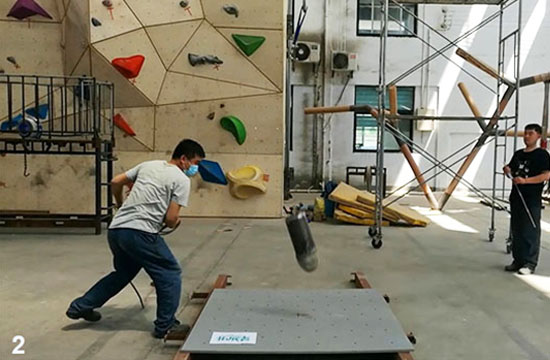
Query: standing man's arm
<point x="172" y="218"/>
<point x="117" y="186"/>
<point x="533" y="180"/>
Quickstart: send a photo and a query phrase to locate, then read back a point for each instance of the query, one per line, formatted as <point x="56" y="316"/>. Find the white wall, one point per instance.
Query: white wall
<point x="339" y="28"/>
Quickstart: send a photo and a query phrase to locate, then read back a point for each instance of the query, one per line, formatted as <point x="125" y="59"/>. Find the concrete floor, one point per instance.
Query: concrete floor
<point x="447" y="286"/>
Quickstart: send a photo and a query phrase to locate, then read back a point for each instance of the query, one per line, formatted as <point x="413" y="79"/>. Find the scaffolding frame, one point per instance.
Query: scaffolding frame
<point x="375" y="232"/>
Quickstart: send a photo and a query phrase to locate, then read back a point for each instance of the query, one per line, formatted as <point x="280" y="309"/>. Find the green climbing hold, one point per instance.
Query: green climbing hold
<point x="248" y="43"/>
<point x="234" y="126"/>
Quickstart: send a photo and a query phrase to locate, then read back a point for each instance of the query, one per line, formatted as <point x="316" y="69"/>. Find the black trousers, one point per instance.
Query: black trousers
<point x="525" y="237"/>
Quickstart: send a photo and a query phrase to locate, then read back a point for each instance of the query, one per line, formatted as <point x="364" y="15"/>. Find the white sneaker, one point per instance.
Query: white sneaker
<point x="525" y="271"/>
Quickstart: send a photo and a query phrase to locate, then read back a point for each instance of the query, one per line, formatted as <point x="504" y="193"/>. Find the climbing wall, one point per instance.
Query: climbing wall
<point x="178" y="67"/>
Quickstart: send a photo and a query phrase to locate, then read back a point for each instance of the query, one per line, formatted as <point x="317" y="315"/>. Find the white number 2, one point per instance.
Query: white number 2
<point x="17" y="350"/>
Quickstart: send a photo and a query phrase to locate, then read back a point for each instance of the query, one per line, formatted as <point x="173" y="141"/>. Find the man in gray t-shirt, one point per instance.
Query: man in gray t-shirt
<point x="158" y="190"/>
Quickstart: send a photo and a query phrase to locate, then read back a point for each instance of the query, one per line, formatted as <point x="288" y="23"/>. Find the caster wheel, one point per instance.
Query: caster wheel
<point x="377" y="244"/>
<point x="491" y="235"/>
<point x="372" y="231"/>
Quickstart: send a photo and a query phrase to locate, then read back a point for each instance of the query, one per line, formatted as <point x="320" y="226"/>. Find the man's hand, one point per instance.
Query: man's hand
<point x="117" y="184"/>
<point x="519" y="180"/>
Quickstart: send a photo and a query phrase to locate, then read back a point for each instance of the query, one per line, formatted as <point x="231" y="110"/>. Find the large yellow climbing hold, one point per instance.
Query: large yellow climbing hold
<point x="246" y="182"/>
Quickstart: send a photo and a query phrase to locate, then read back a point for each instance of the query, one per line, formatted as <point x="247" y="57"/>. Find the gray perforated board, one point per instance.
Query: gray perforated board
<point x="298" y="322"/>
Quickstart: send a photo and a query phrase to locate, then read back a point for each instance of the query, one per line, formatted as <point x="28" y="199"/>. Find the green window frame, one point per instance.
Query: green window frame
<point x="365" y="127"/>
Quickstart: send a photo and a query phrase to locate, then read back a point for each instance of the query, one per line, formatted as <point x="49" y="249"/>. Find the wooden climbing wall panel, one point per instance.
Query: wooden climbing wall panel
<point x="175" y="122"/>
<point x="168" y="100"/>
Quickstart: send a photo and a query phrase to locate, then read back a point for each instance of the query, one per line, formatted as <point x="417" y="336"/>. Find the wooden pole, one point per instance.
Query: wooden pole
<point x="406" y="151"/>
<point x="545" y="136"/>
<point x="472" y="105"/>
<point x="483" y="66"/>
<point x="530" y="80"/>
<point x="482" y="138"/>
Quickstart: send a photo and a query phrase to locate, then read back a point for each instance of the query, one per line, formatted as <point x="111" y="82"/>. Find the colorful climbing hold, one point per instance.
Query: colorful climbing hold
<point x="248" y="43"/>
<point x="212" y="172"/>
<point x="205" y="59"/>
<point x="23" y="9"/>
<point x="235" y="126"/>
<point x="96" y="22"/>
<point x="129" y="67"/>
<point x="231" y="10"/>
<point x="184" y="3"/>
<point x="123" y="125"/>
<point x="10" y="125"/>
<point x="107" y="3"/>
<point x="41" y="112"/>
<point x="13" y="61"/>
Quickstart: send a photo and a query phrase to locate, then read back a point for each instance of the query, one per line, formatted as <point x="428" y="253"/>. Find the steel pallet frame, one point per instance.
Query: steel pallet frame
<point x="360" y="282"/>
<point x="79" y="122"/>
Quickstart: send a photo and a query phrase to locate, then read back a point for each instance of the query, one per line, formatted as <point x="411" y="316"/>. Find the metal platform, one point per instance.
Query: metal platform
<point x="357" y="321"/>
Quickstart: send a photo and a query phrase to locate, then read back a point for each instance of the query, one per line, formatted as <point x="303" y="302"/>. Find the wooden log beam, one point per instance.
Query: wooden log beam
<point x="472" y="105"/>
<point x="483" y="66"/>
<point x="480" y="142"/>
<point x="406" y="151"/>
<point x="535" y="79"/>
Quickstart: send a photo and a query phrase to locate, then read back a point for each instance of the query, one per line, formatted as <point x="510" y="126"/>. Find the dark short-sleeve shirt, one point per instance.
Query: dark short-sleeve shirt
<point x="529" y="164"/>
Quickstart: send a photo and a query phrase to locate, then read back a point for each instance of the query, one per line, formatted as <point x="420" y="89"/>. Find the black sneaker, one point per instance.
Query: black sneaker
<point x="513" y="267"/>
<point x="89" y="315"/>
<point x="177" y="328"/>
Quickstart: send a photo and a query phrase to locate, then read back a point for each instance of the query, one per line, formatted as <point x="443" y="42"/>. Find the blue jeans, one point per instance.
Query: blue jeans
<point x="133" y="250"/>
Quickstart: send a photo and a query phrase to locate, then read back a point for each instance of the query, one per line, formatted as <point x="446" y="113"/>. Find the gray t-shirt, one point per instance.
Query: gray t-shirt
<point x="156" y="184"/>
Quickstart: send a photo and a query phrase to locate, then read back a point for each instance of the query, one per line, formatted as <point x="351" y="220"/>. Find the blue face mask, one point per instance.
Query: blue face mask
<point x="192" y="171"/>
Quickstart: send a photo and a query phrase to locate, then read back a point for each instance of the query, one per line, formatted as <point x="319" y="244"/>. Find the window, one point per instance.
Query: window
<point x="365" y="125"/>
<point x="401" y="23"/>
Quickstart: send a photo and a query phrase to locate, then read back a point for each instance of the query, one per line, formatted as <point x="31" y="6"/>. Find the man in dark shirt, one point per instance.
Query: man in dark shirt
<point x="529" y="168"/>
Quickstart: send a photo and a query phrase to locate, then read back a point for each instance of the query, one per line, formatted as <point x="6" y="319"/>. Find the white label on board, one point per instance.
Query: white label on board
<point x="233" y="338"/>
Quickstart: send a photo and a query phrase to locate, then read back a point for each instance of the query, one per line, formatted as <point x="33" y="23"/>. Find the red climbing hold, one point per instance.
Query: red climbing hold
<point x="130" y="66"/>
<point x="22" y="9"/>
<point x="121" y="123"/>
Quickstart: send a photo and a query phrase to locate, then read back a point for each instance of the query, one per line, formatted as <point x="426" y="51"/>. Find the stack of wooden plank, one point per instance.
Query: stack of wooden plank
<point x="358" y="207"/>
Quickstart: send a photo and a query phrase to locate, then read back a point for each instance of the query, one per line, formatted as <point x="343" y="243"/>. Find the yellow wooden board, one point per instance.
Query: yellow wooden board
<point x="122" y="21"/>
<point x="236" y="67"/>
<point x="164" y="11"/>
<point x="345" y="217"/>
<point x="179" y="88"/>
<point x="126" y="94"/>
<point x="404" y="213"/>
<point x="76" y="33"/>
<point x="261" y="115"/>
<point x="269" y="57"/>
<point x="137" y="42"/>
<point x="252" y="13"/>
<point x="347" y="195"/>
<point x="356" y="212"/>
<point x="170" y="39"/>
<point x="207" y="199"/>
<point x="49" y="5"/>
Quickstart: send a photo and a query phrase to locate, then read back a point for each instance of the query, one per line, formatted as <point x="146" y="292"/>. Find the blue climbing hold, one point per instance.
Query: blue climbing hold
<point x="10" y="125"/>
<point x="212" y="172"/>
<point x="42" y="112"/>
